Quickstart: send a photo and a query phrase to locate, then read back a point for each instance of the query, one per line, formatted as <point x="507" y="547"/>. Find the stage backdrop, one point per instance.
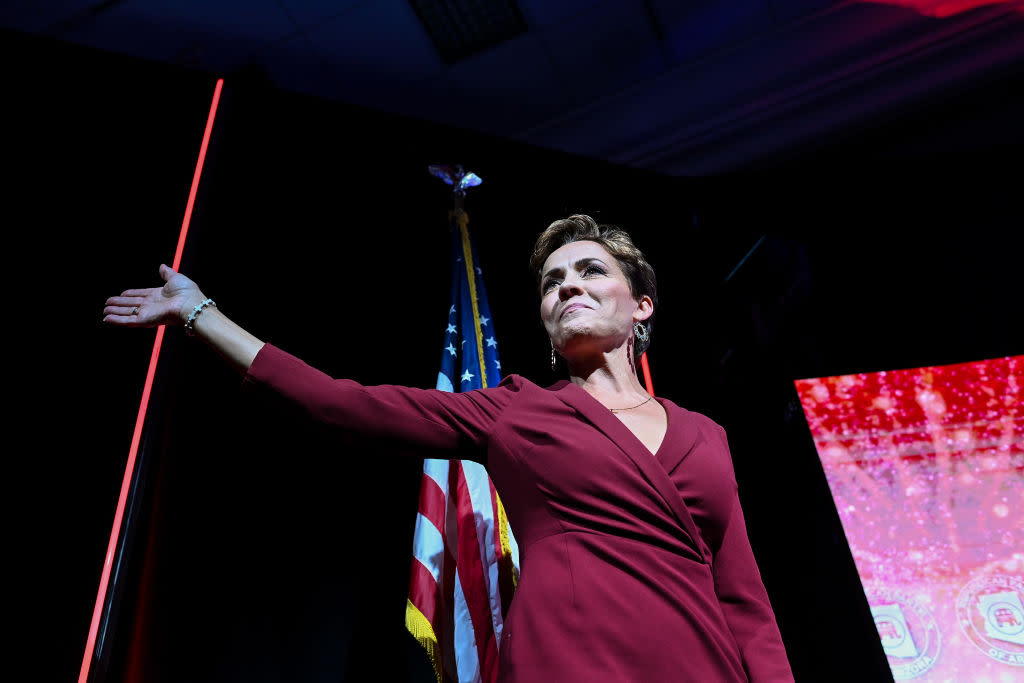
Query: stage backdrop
<point x="270" y="553"/>
<point x="926" y="467"/>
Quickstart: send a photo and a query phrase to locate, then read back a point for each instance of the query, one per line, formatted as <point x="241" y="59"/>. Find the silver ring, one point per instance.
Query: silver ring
<point x="135" y="311"/>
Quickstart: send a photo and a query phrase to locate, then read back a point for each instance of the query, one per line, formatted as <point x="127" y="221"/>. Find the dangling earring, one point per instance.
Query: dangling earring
<point x="641" y="331"/>
<point x="554" y="359"/>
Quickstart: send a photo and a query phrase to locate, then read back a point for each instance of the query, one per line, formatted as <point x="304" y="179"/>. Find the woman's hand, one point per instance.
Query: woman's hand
<point x="167" y="305"/>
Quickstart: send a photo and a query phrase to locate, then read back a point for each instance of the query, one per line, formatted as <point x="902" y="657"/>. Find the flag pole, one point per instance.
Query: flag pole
<point x="465" y="557"/>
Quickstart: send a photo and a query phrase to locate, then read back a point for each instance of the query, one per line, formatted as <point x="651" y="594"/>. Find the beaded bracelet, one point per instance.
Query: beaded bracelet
<point x="190" y="323"/>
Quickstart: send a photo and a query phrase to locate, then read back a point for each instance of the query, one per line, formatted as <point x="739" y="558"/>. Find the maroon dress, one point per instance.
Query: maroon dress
<point x="634" y="566"/>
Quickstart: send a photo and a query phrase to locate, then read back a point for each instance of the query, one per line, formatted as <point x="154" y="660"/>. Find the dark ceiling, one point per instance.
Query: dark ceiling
<point x="675" y="87"/>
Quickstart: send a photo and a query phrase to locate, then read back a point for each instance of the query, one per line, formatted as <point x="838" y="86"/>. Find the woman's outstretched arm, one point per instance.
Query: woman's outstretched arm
<point x="171" y="305"/>
<point x="402" y="420"/>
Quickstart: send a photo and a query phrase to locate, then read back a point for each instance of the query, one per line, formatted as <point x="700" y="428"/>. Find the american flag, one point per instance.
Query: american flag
<point x="465" y="560"/>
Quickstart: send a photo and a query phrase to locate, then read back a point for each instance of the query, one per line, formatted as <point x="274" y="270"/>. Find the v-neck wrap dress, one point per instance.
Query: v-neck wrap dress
<point x="633" y="566"/>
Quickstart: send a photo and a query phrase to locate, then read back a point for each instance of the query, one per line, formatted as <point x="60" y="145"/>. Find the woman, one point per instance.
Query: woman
<point x="635" y="563"/>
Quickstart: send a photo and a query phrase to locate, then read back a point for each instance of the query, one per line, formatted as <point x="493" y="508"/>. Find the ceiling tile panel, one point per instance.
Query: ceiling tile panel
<point x="256" y="20"/>
<point x="604" y="50"/>
<point x="292" y="65"/>
<point x="544" y="13"/>
<point x="227" y="34"/>
<point x="310" y="12"/>
<point x="36" y="16"/>
<point x="380" y="56"/>
<point x="693" y="29"/>
<point x="507" y="87"/>
<point x="382" y="41"/>
<point x="137" y="28"/>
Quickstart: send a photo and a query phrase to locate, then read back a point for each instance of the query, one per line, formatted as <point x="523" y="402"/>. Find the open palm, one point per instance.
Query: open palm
<point x="167" y="305"/>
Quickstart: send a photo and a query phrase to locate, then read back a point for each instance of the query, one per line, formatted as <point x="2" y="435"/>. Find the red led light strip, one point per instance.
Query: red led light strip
<point x="115" y="532"/>
<point x="647" y="373"/>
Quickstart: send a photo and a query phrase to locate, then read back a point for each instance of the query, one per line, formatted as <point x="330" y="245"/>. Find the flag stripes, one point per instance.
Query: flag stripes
<point x="481" y="492"/>
<point x="428" y="547"/>
<point x="431" y="513"/>
<point x="467" y="657"/>
<point x="470" y="567"/>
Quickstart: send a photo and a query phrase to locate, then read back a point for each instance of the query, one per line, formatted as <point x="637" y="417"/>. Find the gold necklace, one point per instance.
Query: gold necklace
<point x="619" y="410"/>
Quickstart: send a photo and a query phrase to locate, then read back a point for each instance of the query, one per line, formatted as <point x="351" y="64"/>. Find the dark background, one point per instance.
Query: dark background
<point x="265" y="552"/>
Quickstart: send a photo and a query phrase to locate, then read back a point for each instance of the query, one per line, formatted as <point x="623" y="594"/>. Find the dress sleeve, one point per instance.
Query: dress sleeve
<point x="423" y="422"/>
<point x="745" y="603"/>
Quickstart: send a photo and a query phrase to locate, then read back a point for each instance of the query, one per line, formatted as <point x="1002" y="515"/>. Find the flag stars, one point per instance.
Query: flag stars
<point x="497" y="365"/>
<point x="451" y="329"/>
<point x="484" y="320"/>
<point x="491" y="342"/>
<point x="467" y="376"/>
<point x="450" y="349"/>
<point x="451" y="310"/>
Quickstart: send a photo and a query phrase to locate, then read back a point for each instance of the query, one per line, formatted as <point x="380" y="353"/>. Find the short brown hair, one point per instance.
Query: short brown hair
<point x="617" y="242"/>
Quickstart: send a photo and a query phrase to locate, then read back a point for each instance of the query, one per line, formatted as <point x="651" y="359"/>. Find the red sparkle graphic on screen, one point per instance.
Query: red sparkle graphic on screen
<point x="926" y="467"/>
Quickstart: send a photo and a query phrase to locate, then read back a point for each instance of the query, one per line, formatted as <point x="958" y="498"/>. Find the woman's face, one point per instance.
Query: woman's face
<point x="585" y="301"/>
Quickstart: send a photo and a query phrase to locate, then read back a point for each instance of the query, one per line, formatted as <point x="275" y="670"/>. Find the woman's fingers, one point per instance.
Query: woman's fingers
<point x="136" y="308"/>
<point x="122" y="308"/>
<point x="139" y="314"/>
<point x="122" y="320"/>
<point x="125" y="301"/>
<point x="119" y="315"/>
<point x="139" y="292"/>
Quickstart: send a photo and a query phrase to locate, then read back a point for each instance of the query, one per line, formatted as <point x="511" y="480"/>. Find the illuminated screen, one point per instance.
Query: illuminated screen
<point x="926" y="467"/>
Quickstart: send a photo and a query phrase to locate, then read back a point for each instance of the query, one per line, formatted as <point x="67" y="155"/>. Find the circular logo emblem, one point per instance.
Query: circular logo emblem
<point x="908" y="631"/>
<point x="891" y="631"/>
<point x="990" y="610"/>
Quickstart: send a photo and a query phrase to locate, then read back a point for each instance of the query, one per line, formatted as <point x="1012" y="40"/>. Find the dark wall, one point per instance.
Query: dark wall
<point x="270" y="553"/>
